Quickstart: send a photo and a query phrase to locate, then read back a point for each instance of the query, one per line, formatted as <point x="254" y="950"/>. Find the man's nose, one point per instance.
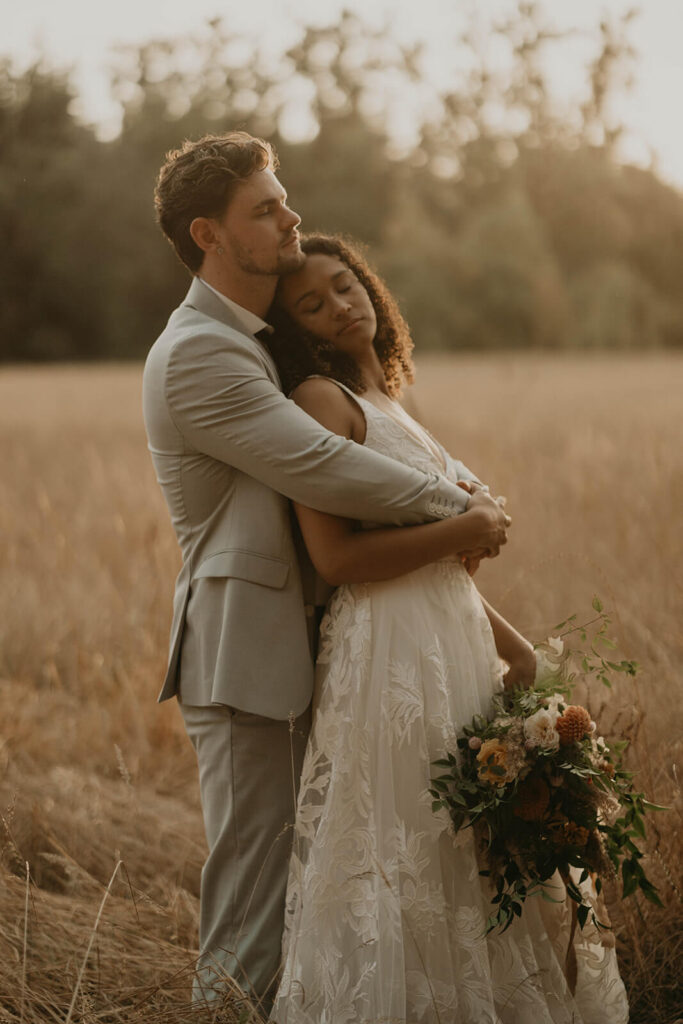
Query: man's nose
<point x="290" y="219"/>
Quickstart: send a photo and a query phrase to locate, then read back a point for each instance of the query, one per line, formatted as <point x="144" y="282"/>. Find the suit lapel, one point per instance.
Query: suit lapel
<point x="203" y="299"/>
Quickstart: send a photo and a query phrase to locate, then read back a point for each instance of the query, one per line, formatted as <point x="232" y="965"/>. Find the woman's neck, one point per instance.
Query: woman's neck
<point x="372" y="373"/>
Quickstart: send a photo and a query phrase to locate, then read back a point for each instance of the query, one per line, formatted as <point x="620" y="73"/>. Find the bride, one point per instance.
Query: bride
<point x="386" y="909"/>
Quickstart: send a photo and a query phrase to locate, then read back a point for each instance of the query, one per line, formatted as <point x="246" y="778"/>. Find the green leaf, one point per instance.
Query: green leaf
<point x="638" y="826"/>
<point x="509" y="921"/>
<point x="597" y="603"/>
<point x="629" y="878"/>
<point x="650" y="892"/>
<point x="548" y="898"/>
<point x="457" y="798"/>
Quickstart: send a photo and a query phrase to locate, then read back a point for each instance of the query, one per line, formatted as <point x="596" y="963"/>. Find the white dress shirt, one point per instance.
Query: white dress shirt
<point x="249" y="320"/>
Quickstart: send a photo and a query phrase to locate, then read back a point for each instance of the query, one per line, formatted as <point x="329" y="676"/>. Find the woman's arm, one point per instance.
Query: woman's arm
<point x="344" y="554"/>
<point x="215" y="386"/>
<point x="513" y="648"/>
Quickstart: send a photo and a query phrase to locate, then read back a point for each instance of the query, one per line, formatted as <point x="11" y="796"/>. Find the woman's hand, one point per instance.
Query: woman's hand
<point x="488" y="523"/>
<point x="522" y="671"/>
<point x="472" y="559"/>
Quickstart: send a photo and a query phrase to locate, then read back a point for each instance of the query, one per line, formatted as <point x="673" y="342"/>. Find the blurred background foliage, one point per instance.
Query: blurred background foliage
<point x="498" y="222"/>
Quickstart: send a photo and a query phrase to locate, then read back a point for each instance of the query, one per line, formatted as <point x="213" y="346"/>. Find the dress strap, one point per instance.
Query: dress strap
<point x="360" y="403"/>
<point x="333" y="380"/>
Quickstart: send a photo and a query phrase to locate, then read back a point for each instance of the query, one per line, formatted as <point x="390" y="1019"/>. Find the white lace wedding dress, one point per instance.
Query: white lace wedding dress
<point x="386" y="910"/>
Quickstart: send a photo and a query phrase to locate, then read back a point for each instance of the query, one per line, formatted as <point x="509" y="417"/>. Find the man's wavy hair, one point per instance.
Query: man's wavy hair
<point x="199" y="180"/>
<point x="299" y="353"/>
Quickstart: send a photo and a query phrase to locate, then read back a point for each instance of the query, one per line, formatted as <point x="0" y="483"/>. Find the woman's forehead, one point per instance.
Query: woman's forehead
<point x="319" y="269"/>
<point x="321" y="264"/>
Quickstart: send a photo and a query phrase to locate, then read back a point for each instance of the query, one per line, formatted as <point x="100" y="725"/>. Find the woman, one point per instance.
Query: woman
<point x="386" y="910"/>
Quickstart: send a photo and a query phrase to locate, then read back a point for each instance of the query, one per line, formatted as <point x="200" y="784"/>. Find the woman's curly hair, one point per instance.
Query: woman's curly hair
<point x="299" y="353"/>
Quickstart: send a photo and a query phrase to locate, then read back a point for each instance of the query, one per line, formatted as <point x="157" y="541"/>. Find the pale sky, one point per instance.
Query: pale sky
<point x="81" y="33"/>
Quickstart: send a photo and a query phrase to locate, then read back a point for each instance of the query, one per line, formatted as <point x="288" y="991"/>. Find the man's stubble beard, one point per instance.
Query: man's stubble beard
<point x="285" y="263"/>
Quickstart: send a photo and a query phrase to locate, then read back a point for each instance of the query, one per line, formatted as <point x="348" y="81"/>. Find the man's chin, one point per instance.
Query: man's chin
<point x="291" y="261"/>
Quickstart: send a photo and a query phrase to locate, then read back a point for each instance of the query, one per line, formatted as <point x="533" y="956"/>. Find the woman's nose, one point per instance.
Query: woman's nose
<point x="340" y="305"/>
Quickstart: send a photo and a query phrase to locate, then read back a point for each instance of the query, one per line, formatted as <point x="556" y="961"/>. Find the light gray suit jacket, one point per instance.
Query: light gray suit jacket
<point x="229" y="450"/>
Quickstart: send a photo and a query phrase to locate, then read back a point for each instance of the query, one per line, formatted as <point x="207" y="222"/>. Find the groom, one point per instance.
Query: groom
<point x="229" y="450"/>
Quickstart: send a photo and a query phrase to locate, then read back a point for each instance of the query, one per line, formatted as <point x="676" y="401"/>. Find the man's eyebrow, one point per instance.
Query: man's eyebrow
<point x="306" y="295"/>
<point x="272" y="201"/>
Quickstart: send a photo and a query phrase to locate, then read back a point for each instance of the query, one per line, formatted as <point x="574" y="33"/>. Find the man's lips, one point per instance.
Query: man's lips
<point x="294" y="240"/>
<point x="349" y="325"/>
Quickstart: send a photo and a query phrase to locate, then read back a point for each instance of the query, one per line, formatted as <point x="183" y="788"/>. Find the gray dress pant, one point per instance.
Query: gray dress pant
<point x="249" y="769"/>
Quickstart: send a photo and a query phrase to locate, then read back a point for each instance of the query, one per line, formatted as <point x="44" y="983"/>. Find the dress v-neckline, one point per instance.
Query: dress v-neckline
<point x="403" y="420"/>
<point x="409" y="425"/>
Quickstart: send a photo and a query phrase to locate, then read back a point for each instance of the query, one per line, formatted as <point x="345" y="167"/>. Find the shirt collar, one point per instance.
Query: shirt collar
<point x="250" y="321"/>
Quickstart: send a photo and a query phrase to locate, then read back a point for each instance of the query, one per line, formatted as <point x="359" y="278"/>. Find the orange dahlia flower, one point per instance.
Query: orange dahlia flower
<point x="573" y="724"/>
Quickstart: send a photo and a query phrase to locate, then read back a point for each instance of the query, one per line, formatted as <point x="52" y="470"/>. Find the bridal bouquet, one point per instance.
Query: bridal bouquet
<point x="543" y="790"/>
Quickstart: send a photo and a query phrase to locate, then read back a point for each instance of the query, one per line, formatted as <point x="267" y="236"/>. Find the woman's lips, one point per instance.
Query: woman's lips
<point x="351" y="323"/>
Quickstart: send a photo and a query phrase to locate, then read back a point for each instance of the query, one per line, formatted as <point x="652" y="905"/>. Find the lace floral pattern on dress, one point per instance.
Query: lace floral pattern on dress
<point x="386" y="910"/>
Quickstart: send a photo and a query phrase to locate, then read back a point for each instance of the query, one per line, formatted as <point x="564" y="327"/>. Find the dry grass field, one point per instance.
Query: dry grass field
<point x="93" y="772"/>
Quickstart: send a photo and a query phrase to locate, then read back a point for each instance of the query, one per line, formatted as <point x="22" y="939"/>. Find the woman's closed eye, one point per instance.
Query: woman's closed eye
<point x="318" y="305"/>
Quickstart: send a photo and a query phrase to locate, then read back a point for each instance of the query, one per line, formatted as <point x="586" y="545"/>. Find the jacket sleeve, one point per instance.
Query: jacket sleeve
<point x="460" y="470"/>
<point x="224" y="405"/>
<point x="466" y="474"/>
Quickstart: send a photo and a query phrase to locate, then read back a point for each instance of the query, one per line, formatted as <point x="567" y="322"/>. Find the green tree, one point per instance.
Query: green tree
<point x="517" y="227"/>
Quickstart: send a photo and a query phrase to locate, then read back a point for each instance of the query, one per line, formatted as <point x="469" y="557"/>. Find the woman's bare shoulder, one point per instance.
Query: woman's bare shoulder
<point x="331" y="406"/>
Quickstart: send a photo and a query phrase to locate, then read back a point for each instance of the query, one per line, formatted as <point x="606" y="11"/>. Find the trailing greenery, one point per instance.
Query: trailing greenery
<point x="543" y="793"/>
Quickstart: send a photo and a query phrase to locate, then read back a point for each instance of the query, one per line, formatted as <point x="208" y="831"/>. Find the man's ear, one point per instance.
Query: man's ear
<point x="203" y="232"/>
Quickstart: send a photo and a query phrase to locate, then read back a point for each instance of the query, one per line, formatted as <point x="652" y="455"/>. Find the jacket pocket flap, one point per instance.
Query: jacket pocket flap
<point x="245" y="565"/>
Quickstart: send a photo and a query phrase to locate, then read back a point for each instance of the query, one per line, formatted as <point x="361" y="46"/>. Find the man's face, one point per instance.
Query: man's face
<point x="258" y="230"/>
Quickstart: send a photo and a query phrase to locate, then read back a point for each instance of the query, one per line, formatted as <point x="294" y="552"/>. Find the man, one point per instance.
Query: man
<point x="229" y="450"/>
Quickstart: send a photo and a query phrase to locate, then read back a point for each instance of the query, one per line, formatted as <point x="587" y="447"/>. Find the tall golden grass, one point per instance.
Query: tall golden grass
<point x="93" y="772"/>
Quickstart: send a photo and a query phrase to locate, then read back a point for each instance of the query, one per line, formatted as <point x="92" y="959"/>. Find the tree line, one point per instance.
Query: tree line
<point x="517" y="228"/>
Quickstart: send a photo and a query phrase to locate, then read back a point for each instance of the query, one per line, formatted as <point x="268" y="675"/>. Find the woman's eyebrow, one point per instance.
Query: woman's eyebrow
<point x="306" y="295"/>
<point x="334" y="277"/>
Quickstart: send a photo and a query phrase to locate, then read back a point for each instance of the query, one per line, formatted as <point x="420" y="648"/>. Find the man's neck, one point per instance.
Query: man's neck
<point x="250" y="291"/>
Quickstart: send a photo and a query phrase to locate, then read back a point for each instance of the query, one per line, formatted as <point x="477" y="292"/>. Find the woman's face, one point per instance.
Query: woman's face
<point x="326" y="298"/>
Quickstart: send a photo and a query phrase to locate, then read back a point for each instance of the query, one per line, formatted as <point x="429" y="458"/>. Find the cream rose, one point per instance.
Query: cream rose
<point x="540" y="731"/>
